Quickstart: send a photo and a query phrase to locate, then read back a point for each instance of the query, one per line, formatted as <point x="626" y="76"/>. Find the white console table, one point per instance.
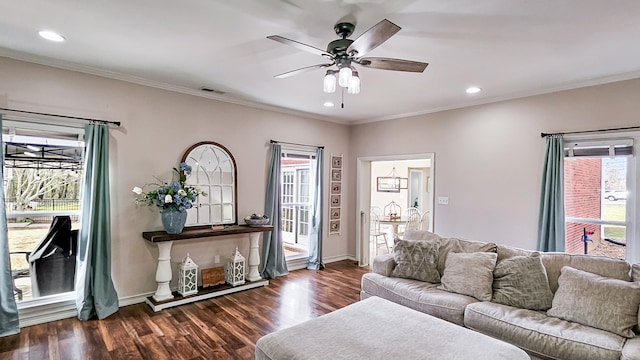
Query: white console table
<point x="165" y="298"/>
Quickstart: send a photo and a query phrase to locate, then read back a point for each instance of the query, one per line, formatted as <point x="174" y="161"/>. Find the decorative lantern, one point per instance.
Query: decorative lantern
<point x="188" y="277"/>
<point x="235" y="269"/>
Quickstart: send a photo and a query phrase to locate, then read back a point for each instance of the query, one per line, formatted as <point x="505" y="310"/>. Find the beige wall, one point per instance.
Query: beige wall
<point x="157" y="127"/>
<point x="488" y="158"/>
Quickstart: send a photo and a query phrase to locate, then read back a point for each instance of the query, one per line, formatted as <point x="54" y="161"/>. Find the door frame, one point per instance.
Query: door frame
<point x="363" y="197"/>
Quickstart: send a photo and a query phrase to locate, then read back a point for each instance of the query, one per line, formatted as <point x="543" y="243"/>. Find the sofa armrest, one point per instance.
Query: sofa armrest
<point x="383" y="264"/>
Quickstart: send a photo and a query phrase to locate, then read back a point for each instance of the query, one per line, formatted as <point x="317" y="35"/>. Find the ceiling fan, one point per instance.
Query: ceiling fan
<point x="345" y="53"/>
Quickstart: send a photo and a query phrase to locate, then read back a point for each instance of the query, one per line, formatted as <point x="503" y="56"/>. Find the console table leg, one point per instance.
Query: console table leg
<point x="254" y="257"/>
<point x="163" y="273"/>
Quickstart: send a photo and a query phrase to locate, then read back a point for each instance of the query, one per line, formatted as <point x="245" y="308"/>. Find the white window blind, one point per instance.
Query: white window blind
<point x="599" y="148"/>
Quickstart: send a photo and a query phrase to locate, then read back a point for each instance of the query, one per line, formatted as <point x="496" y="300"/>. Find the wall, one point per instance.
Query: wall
<point x="488" y="158"/>
<point x="157" y="127"/>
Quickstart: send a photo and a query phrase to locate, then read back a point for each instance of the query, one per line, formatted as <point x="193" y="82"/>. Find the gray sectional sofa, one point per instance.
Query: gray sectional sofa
<point x="586" y="309"/>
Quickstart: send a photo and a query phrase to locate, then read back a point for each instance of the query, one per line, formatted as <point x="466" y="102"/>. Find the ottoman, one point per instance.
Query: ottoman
<point x="375" y="328"/>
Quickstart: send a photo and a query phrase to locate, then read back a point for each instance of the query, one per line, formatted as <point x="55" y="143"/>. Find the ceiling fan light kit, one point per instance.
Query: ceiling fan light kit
<point x="330" y="80"/>
<point x="345" y="53"/>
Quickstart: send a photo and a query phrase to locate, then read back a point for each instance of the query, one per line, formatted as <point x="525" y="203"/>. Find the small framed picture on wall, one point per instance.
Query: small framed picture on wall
<point x="336" y="200"/>
<point x="334" y="213"/>
<point x="334" y="226"/>
<point x="336" y="187"/>
<point x="336" y="161"/>
<point x="336" y="175"/>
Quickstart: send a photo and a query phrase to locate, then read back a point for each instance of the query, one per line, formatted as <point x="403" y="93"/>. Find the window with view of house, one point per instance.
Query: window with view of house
<point x="42" y="168"/>
<point x="597" y="185"/>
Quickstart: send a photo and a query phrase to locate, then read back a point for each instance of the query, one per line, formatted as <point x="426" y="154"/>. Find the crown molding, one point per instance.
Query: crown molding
<point x="523" y="94"/>
<point x="262" y="106"/>
<point x="65" y="65"/>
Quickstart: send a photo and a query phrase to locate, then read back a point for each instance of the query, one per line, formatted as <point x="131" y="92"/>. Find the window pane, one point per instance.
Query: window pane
<point x="595" y="190"/>
<point x="582" y="188"/>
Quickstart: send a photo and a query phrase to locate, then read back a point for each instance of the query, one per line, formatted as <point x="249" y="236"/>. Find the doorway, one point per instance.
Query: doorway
<point x="297" y="193"/>
<point x="415" y="187"/>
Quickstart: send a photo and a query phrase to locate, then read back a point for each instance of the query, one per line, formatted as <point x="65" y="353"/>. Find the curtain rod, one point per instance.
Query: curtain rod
<point x="290" y="143"/>
<point x="116" y="123"/>
<point x="591" y="131"/>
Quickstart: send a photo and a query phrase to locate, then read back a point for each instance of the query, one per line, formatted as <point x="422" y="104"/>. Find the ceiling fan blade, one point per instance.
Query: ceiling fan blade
<point x="301" y="70"/>
<point x="392" y="64"/>
<point x="298" y="45"/>
<point x="373" y="37"/>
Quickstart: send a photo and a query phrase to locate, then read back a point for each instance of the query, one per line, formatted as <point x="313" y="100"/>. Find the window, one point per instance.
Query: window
<point x="297" y="182"/>
<point x="598" y="189"/>
<point x="42" y="177"/>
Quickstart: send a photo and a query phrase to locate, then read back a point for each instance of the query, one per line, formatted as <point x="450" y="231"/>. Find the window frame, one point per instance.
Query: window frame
<point x="54" y="306"/>
<point x="632" y="252"/>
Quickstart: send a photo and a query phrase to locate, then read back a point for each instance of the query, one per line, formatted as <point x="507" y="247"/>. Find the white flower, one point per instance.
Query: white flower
<point x="168" y="199"/>
<point x="181" y="192"/>
<point x="137" y="190"/>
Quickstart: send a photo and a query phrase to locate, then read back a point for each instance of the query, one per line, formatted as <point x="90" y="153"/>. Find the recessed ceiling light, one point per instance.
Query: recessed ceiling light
<point x="473" y="90"/>
<point x="328" y="104"/>
<point x="51" y="35"/>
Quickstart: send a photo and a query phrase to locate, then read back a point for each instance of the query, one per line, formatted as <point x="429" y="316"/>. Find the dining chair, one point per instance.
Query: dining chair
<point x="412" y="210"/>
<point x="424" y="221"/>
<point x="412" y="223"/>
<point x="378" y="236"/>
<point x="376" y="210"/>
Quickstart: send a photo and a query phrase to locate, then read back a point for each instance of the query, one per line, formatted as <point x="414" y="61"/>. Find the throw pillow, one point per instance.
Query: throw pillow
<point x="416" y="260"/>
<point x="596" y="301"/>
<point x="449" y="245"/>
<point x="469" y="274"/>
<point x="521" y="281"/>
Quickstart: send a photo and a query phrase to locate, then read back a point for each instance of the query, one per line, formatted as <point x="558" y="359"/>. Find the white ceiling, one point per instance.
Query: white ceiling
<point x="510" y="48"/>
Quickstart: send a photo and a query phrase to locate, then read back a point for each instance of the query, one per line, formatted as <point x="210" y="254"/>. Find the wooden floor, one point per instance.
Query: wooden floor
<point x="221" y="328"/>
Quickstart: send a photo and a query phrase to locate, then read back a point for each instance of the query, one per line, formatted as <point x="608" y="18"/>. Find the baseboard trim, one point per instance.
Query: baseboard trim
<point x="45" y="313"/>
<point x="299" y="264"/>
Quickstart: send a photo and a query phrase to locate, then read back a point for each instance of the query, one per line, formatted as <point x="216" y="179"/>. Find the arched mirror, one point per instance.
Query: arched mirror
<point x="213" y="170"/>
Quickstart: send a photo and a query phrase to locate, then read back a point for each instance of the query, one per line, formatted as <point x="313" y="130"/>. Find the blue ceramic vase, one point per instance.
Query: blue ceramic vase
<point x="173" y="221"/>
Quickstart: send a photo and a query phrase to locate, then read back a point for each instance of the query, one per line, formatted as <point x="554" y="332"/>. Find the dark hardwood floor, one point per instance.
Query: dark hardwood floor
<point x="226" y="327"/>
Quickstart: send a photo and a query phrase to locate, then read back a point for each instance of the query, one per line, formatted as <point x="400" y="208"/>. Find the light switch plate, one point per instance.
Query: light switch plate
<point x="443" y="200"/>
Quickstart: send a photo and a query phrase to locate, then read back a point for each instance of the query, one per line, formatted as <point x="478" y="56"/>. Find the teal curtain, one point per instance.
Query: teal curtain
<point x="9" y="324"/>
<point x="551" y="227"/>
<point x="96" y="295"/>
<point x="315" y="235"/>
<point x="273" y="259"/>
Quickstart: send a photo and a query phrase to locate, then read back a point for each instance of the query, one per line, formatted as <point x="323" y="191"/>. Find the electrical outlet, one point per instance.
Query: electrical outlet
<point x="216" y="259"/>
<point x="443" y="200"/>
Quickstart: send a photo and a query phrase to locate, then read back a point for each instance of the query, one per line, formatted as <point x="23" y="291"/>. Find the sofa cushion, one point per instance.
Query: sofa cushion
<point x="542" y="335"/>
<point x="635" y="272"/>
<point x="448" y="245"/>
<point x="454" y="245"/>
<point x="597" y="301"/>
<point x="631" y="349"/>
<point x="470" y="274"/>
<point x="418" y="295"/>
<point x="416" y="260"/>
<point x="521" y="281"/>
<point x="419" y="235"/>
<point x="600" y="265"/>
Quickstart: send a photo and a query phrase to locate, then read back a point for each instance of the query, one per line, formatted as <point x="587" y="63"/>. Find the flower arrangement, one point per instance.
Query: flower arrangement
<point x="173" y="196"/>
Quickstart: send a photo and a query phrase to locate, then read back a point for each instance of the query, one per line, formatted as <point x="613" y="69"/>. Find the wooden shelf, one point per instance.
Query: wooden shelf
<point x="203" y="293"/>
<point x="193" y="232"/>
